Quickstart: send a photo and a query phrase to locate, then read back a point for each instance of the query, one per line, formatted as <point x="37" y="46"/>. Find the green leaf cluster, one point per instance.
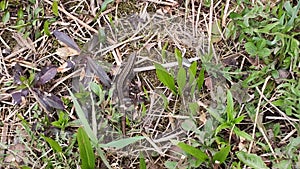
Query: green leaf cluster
<point x="270" y="33"/>
<point x="178" y="83"/>
<point x="219" y="157"/>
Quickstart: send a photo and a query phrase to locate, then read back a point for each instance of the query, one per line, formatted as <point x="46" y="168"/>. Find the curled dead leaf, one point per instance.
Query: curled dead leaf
<point x="65" y="52"/>
<point x="66" y="66"/>
<point x="24" y="42"/>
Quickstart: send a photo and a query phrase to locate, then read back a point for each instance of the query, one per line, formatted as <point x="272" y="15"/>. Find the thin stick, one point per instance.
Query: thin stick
<point x="258" y="123"/>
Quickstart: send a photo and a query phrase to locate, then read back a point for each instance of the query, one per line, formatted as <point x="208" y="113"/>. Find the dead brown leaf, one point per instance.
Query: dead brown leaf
<point x="22" y="42"/>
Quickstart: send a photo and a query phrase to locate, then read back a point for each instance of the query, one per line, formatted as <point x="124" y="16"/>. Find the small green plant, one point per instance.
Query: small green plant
<point x="3" y="8"/>
<point x="258" y="47"/>
<point x="32" y="83"/>
<point x="92" y="138"/>
<point x="30" y="17"/>
<point x="62" y="122"/>
<point x="168" y="79"/>
<point x="288" y="100"/>
<point x="218" y="157"/>
<point x="232" y="119"/>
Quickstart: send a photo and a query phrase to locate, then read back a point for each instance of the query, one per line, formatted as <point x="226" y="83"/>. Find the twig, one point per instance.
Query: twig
<point x="258" y="123"/>
<point x="166" y="65"/>
<point x="225" y="13"/>
<point x="153" y="144"/>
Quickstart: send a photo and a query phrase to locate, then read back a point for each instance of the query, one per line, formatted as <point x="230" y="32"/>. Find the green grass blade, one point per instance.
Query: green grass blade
<point x="178" y="56"/>
<point x="192" y="72"/>
<point x="53" y="144"/>
<point x="181" y="79"/>
<point x="55" y="7"/>
<point x="200" y="79"/>
<point x="193" y="151"/>
<point x="142" y="161"/>
<point x="83" y="119"/>
<point x="229" y="107"/>
<point x="87" y="155"/>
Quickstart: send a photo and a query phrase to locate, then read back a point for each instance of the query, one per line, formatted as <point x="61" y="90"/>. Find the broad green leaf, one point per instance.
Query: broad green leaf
<point x="230" y="107"/>
<point x="261" y="43"/>
<point x="165" y="77"/>
<point x="96" y="88"/>
<point x="181" y="80"/>
<point x="165" y="100"/>
<point x="46" y="28"/>
<point x="118" y="144"/>
<point x="104" y="4"/>
<point x="86" y="152"/>
<point x="32" y="1"/>
<point x="288" y="7"/>
<point x="234" y="15"/>
<point x="53" y="144"/>
<point x="200" y="79"/>
<point x="251" y="48"/>
<point x="194" y="108"/>
<point x="193" y="151"/>
<point x="102" y="35"/>
<point x="55" y="7"/>
<point x="222" y="154"/>
<point x="264" y="52"/>
<point x="5" y="17"/>
<point x="216" y="114"/>
<point x="251" y="160"/>
<point x="290" y="148"/>
<point x="188" y="125"/>
<point x="36" y="13"/>
<point x="216" y="34"/>
<point x="294" y="45"/>
<point x="3" y="5"/>
<point x="286" y="164"/>
<point x="142" y="161"/>
<point x="170" y="164"/>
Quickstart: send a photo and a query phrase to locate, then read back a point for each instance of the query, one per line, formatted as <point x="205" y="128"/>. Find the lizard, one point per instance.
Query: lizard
<point x="122" y="79"/>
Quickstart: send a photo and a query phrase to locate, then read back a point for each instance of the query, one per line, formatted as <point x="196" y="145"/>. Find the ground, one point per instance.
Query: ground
<point x="206" y="84"/>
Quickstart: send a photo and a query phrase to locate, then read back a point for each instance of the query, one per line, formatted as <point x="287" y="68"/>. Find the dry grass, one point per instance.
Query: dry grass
<point x="160" y="116"/>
